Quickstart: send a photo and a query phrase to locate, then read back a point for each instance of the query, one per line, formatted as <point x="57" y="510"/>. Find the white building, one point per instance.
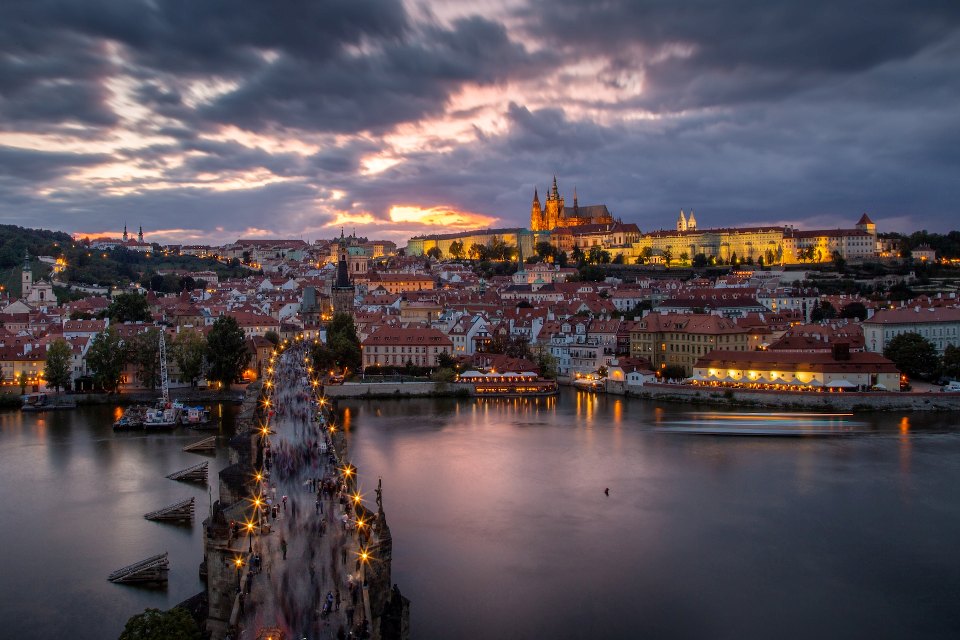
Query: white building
<point x="939" y="325"/>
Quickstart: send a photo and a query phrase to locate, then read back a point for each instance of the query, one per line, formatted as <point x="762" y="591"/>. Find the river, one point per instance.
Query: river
<point x="502" y="529"/>
<point x="75" y="494"/>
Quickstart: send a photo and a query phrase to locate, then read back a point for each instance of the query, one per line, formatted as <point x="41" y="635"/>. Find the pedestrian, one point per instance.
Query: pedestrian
<point x="249" y="580"/>
<point x="283" y="547"/>
<point x="318" y="506"/>
<point x="350" y="612"/>
<point x="606" y="491"/>
<point x="337" y="596"/>
<point x="241" y="604"/>
<point x="343" y="556"/>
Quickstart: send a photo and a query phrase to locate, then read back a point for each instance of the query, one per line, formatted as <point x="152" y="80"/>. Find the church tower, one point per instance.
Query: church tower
<point x="553" y="213"/>
<point x="140" y="235"/>
<point x="681" y="222"/>
<point x="26" y="277"/>
<point x="691" y="222"/>
<point x="343" y="292"/>
<point x="536" y="213"/>
<point x="125" y="236"/>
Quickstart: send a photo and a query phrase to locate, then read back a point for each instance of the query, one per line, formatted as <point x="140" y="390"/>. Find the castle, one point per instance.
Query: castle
<point x="554" y="214"/>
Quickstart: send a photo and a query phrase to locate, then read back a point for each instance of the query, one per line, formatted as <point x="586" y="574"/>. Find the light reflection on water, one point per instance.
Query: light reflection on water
<point x="501" y="528"/>
<point x="74" y="498"/>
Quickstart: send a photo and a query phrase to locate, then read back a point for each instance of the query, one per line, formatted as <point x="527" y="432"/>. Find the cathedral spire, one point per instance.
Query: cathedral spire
<point x="125" y="236"/>
<point x="554" y="193"/>
<point x="140" y="235"/>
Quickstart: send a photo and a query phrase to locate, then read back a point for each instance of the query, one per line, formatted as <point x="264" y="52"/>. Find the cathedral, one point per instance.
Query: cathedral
<point x="554" y="214"/>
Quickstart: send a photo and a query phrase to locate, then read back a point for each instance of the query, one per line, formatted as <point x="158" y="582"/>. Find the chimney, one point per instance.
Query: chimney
<point x="841" y="351"/>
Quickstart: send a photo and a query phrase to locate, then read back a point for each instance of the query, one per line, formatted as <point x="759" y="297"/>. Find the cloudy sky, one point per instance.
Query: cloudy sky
<point x="208" y="120"/>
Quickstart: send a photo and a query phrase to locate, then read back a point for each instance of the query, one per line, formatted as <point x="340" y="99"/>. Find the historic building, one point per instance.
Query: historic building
<point x="343" y="293"/>
<point x="774" y="244"/>
<point x="554" y="214"/>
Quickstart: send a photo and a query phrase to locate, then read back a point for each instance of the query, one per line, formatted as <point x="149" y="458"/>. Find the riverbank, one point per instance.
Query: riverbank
<point x="384" y="390"/>
<point x="202" y="396"/>
<point x="846" y="401"/>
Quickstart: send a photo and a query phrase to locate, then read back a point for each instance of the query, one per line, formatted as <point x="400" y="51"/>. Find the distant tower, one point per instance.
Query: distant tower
<point x="691" y="222"/>
<point x="576" y="205"/>
<point x="26" y="277"/>
<point x="866" y="224"/>
<point x="140" y="235"/>
<point x="343" y="292"/>
<point x="125" y="236"/>
<point x="681" y="222"/>
<point x="536" y="214"/>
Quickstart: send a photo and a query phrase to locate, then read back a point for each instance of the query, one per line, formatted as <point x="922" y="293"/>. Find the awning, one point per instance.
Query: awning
<point x="844" y="384"/>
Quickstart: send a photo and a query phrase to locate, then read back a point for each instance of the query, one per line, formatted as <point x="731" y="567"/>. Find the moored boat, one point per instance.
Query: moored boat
<point x="131" y="419"/>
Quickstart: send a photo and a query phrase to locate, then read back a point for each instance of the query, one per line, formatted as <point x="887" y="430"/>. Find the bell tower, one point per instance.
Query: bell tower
<point x="536" y="213"/>
<point x="26" y="277"/>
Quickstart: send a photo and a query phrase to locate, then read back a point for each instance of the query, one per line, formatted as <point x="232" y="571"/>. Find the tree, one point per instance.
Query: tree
<point x="823" y="311"/>
<point x="951" y="362"/>
<point x="22" y="381"/>
<point x="227" y="354"/>
<point x="578" y="256"/>
<point x="106" y="357"/>
<point x="838" y="261"/>
<point x="153" y="624"/>
<point x="478" y="251"/>
<point x="189" y="350"/>
<point x="667" y="256"/>
<point x="446" y="361"/>
<point x="854" y="310"/>
<point x="343" y="342"/>
<point x="57" y="369"/>
<point x="700" y="261"/>
<point x="456" y="249"/>
<point x="435" y="253"/>
<point x="595" y="255"/>
<point x="546" y="362"/>
<point x="913" y="354"/>
<point x="272" y="337"/>
<point x="645" y="254"/>
<point x="546" y="251"/>
<point x="129" y="307"/>
<point x="684" y="257"/>
<point x="144" y="351"/>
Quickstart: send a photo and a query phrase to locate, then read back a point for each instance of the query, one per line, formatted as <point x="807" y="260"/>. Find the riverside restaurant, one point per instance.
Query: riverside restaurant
<point x="510" y="383"/>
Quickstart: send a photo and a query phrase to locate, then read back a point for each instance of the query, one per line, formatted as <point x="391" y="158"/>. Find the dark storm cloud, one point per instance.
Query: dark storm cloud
<point x="402" y="81"/>
<point x="48" y="78"/>
<point x="741" y="50"/>
<point x="27" y="164"/>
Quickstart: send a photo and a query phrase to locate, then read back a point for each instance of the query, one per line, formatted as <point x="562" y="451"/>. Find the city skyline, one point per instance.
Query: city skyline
<point x="213" y="122"/>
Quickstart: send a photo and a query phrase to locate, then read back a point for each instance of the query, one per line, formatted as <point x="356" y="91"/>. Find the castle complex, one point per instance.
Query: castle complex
<point x="591" y="226"/>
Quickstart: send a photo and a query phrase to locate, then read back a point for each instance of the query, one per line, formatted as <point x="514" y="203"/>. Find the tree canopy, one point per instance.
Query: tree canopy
<point x="106" y="357"/>
<point x="153" y="624"/>
<point x="129" y="307"/>
<point x="57" y="368"/>
<point x="913" y="354"/>
<point x="189" y="351"/>
<point x="227" y="354"/>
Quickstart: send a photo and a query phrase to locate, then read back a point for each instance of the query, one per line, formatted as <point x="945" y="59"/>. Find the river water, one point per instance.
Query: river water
<point x="74" y="498"/>
<point x="502" y="530"/>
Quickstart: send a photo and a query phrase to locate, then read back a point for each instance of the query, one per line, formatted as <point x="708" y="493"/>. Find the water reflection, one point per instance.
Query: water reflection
<point x="503" y="530"/>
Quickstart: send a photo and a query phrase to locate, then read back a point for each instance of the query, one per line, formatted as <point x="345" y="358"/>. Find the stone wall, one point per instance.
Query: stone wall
<point x="872" y="401"/>
<point x="393" y="389"/>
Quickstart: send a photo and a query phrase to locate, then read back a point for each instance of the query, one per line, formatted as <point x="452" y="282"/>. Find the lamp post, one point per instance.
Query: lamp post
<point x="238" y="562"/>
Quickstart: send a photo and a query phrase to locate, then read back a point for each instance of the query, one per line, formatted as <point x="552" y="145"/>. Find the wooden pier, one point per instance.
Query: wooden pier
<point x="203" y="446"/>
<point x="152" y="570"/>
<point x="196" y="473"/>
<point x="179" y="512"/>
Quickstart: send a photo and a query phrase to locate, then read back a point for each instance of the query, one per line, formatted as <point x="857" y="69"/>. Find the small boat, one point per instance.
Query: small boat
<point x="44" y="402"/>
<point x="194" y="416"/>
<point x="161" y="417"/>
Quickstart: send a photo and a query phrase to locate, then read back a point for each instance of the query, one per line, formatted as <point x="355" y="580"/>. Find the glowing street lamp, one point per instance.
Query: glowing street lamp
<point x="238" y="562"/>
<point x="249" y="525"/>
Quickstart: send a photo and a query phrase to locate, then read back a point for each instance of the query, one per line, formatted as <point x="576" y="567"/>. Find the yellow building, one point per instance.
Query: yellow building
<point x="675" y="339"/>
